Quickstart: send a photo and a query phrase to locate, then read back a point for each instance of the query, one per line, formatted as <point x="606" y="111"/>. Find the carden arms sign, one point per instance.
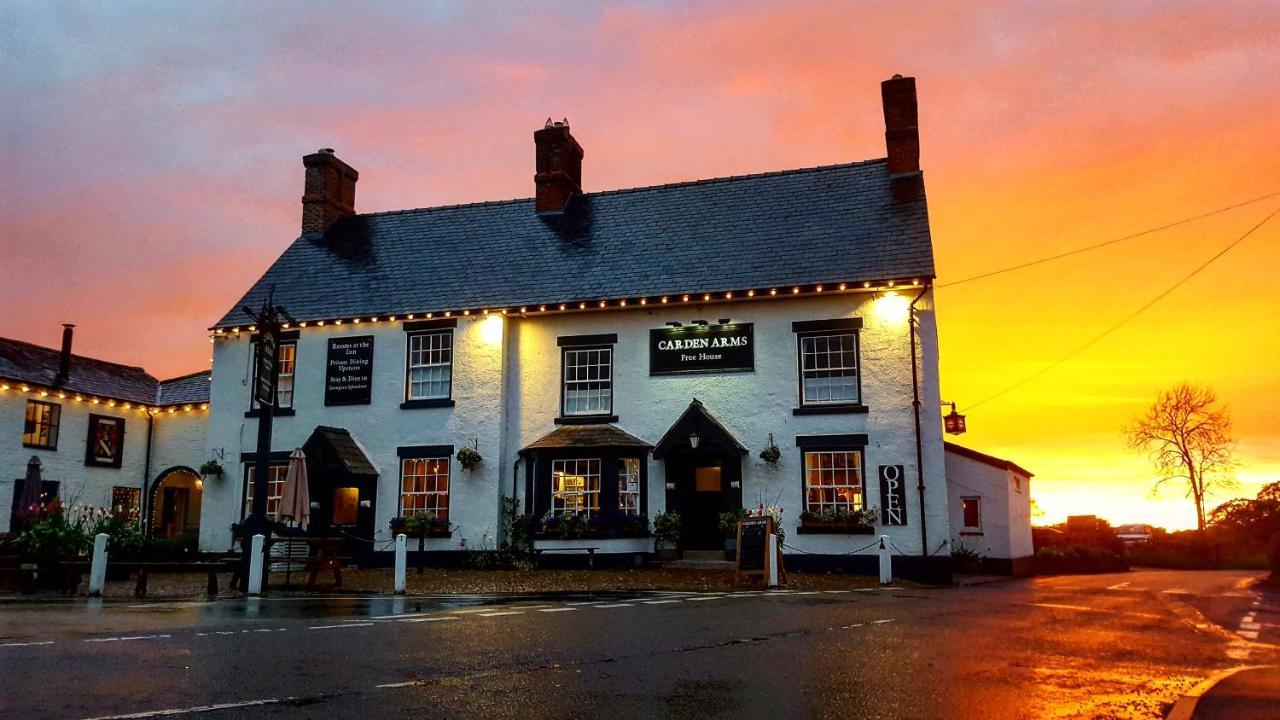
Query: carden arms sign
<point x="702" y="348"/>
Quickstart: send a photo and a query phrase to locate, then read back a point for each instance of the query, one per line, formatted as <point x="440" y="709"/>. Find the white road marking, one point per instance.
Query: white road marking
<point x="616" y="605"/>
<point x="881" y="622"/>
<point x="1248" y="634"/>
<point x="469" y="611"/>
<point x="26" y="644"/>
<point x="395" y="616"/>
<point x="564" y="609"/>
<point x="1250" y="626"/>
<point x="1175" y="591"/>
<point x="126" y="639"/>
<point x="1061" y="607"/>
<point x="500" y="614"/>
<point x="345" y="625"/>
<point x="659" y="602"/>
<point x="585" y="602"/>
<point x="700" y="599"/>
<point x="432" y="619"/>
<point x="193" y="710"/>
<point x="835" y="592"/>
<point x="397" y="685"/>
<point x="809" y="592"/>
<point x="1118" y="586"/>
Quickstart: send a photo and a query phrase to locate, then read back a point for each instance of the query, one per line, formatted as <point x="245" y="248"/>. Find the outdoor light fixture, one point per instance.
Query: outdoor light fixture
<point x="702" y="323"/>
<point x="693" y="440"/>
<point x="674" y="323"/>
<point x="723" y="321"/>
<point x="954" y="422"/>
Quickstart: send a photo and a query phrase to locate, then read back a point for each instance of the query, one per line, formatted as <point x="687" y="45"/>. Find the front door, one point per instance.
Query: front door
<point x="705" y="487"/>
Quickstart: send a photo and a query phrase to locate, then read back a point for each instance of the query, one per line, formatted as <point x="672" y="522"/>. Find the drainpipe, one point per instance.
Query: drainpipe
<point x="915" y="402"/>
<point x="146" y="479"/>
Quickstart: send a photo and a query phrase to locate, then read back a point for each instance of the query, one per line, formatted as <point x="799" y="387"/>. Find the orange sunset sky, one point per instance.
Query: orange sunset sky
<point x="150" y="170"/>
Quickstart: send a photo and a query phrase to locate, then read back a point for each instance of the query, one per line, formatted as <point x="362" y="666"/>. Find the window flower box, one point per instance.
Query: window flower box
<point x="421" y="525"/>
<point x="858" y="522"/>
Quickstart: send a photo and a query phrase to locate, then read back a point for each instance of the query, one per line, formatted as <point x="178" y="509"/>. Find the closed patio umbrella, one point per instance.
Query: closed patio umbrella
<point x="30" y="498"/>
<point x="295" y="501"/>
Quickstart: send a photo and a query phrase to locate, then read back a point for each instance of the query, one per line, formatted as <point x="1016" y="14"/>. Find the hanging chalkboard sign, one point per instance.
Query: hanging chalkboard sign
<point x="349" y="371"/>
<point x="753" y="544"/>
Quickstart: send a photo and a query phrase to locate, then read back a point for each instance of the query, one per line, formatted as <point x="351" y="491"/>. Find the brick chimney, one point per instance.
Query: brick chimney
<point x="901" y="134"/>
<point x="64" y="357"/>
<point x="558" y="167"/>
<point x="329" y="192"/>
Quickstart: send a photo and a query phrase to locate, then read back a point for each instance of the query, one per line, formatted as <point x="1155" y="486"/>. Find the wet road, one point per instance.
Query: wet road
<point x="1112" y="645"/>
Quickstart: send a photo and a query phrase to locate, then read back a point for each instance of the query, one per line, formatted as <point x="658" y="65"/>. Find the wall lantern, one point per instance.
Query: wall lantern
<point x="954" y="422"/>
<point x="693" y="440"/>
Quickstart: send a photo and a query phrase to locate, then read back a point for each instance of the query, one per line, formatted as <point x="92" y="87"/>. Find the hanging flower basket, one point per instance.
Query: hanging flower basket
<point x="211" y="469"/>
<point x="771" y="454"/>
<point x="469" y="457"/>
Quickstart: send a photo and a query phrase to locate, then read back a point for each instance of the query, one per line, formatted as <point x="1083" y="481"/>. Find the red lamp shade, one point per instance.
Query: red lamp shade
<point x="953" y="423"/>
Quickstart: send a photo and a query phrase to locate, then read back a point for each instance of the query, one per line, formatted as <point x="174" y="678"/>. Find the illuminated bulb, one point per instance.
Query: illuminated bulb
<point x="842" y="286"/>
<point x="523" y="309"/>
<point x="4" y="387"/>
<point x="542" y="308"/>
<point x="915" y="282"/>
<point x="373" y="319"/>
<point x="26" y="388"/>
<point x="44" y="393"/>
<point x="890" y="283"/>
<point x="187" y="408"/>
<point x="61" y="395"/>
<point x="684" y="298"/>
<point x="96" y="401"/>
<point x="795" y="290"/>
<point x="504" y="311"/>
<point x="410" y="316"/>
<point x="644" y="301"/>
<point x="447" y="313"/>
<point x="486" y="312"/>
<point x="466" y="312"/>
<point x="728" y="295"/>
<point x="302" y="324"/>
<point x="285" y="326"/>
<point x="622" y="303"/>
<point x="127" y="406"/>
<point x="601" y="303"/>
<point x="253" y="328"/>
<point x="819" y="288"/>
<point x="561" y="306"/>
<point x="235" y="329"/>
<point x="392" y="318"/>
<point x="582" y="305"/>
<point x="866" y="284"/>
<point x="664" y="299"/>
<point x="751" y="293"/>
<point x="356" y="321"/>
<point x="78" y="398"/>
<point x="172" y="410"/>
<point x="319" y="323"/>
<point x="204" y="406"/>
<point x="337" y="322"/>
<point x="706" y="296"/>
<point x="773" y="291"/>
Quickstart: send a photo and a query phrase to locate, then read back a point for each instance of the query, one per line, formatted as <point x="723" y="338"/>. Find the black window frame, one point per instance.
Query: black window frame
<point x="538" y="480"/>
<point x="287" y="337"/>
<point x="576" y="343"/>
<point x="275" y="461"/>
<point x="971" y="529"/>
<point x="831" y="443"/>
<point x="812" y="328"/>
<point x="426" y="452"/>
<point x="418" y="329"/>
<point x="55" y="425"/>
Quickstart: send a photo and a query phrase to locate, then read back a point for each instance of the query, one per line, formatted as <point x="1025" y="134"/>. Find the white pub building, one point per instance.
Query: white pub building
<point x="693" y="348"/>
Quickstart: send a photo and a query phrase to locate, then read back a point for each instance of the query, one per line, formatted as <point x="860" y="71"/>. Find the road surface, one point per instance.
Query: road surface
<point x="1123" y="646"/>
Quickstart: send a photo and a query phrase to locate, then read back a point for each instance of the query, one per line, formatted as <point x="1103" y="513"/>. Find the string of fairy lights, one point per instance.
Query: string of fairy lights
<point x="49" y="393"/>
<point x="623" y="303"/>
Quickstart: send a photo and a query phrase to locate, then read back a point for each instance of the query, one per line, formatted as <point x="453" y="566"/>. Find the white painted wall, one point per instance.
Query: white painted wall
<point x="379" y="427"/>
<point x="80" y="484"/>
<point x="1006" y="512"/>
<point x="509" y="404"/>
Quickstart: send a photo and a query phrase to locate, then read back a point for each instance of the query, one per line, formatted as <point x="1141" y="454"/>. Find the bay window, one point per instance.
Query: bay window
<point x="575" y="487"/>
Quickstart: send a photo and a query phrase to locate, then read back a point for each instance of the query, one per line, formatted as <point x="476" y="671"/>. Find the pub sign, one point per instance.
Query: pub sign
<point x="893" y="495"/>
<point x="264" y="374"/>
<point x="349" y="371"/>
<point x="106" y="442"/>
<point x="702" y="349"/>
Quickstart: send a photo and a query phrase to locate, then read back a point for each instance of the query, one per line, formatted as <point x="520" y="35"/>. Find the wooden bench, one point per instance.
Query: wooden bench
<point x="76" y="568"/>
<point x="590" y="551"/>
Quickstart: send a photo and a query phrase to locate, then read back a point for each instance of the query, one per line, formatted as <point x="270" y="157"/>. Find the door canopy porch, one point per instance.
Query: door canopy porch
<point x="697" y="422"/>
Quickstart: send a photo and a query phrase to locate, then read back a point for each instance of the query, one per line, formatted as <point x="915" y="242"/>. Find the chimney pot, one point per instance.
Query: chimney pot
<point x="557" y="167"/>
<point x="329" y="190"/>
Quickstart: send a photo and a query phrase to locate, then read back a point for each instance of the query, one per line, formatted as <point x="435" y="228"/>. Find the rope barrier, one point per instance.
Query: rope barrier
<point x="851" y="552"/>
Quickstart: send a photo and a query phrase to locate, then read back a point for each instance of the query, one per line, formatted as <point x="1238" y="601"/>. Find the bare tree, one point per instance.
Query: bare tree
<point x="1188" y="436"/>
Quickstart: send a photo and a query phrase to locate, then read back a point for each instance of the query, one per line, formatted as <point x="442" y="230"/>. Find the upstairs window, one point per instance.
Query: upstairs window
<point x="575" y="487"/>
<point x="287" y="357"/>
<point x="829" y="368"/>
<point x="430" y="366"/>
<point x="588" y="381"/>
<point x="40" y="429"/>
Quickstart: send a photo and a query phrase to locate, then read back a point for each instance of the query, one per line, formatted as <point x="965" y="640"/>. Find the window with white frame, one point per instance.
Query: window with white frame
<point x="829" y="368"/>
<point x="40" y="428"/>
<point x="971" y="509"/>
<point x="833" y="481"/>
<point x="275" y="489"/>
<point x="629" y="486"/>
<point x="588" y="381"/>
<point x="575" y="487"/>
<point x="286" y="358"/>
<point x="430" y="366"/>
<point x="424" y="487"/>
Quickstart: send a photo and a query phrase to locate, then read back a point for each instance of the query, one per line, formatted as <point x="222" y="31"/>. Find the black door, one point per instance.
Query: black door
<point x="704" y="488"/>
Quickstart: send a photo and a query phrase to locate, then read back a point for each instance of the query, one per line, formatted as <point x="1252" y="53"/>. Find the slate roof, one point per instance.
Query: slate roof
<point x="37" y="365"/>
<point x="188" y="389"/>
<point x="826" y="224"/>
<point x="574" y="436"/>
<point x="344" y="449"/>
<point x="986" y="459"/>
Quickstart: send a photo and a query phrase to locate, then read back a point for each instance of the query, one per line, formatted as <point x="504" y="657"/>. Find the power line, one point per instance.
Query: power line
<point x="1088" y="248"/>
<point x="1098" y="338"/>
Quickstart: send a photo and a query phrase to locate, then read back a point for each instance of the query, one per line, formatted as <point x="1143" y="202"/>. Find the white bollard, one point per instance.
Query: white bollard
<point x="771" y="559"/>
<point x="402" y="563"/>
<point x="98" y="570"/>
<point x="886" y="561"/>
<point x="255" y="565"/>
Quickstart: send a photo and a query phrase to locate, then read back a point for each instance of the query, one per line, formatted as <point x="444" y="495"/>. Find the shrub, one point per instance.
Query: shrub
<point x="729" y="522"/>
<point x="1273" y="556"/>
<point x="1078" y="559"/>
<point x="666" y="528"/>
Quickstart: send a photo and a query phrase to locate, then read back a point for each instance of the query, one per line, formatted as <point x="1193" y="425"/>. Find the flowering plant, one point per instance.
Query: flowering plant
<point x="773" y="511"/>
<point x="469" y="457"/>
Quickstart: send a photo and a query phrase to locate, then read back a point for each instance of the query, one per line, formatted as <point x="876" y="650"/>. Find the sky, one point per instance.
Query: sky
<point x="150" y="171"/>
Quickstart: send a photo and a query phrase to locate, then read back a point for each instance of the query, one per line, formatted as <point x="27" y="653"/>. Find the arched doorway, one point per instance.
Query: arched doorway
<point x="175" y="503"/>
